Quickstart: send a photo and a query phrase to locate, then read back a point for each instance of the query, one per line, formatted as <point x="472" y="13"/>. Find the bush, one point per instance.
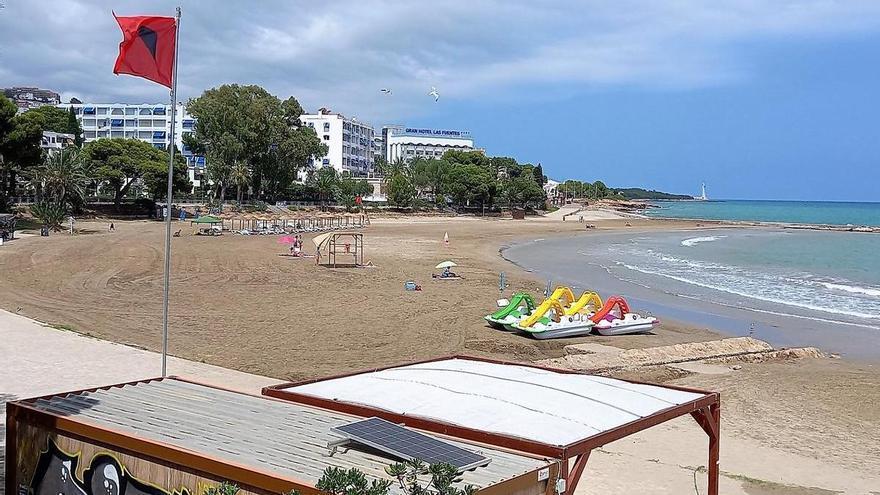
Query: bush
<point x="50" y="215"/>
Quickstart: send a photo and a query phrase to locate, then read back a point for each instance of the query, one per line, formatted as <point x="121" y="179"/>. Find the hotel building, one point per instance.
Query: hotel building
<point x="349" y="143"/>
<point x="407" y="142"/>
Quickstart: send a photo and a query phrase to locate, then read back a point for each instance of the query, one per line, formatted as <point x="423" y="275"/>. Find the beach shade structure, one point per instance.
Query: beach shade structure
<point x="555" y="414"/>
<point x="210" y="221"/>
<point x="207" y="220"/>
<point x="445" y="264"/>
<point x="286" y="240"/>
<point x="333" y="244"/>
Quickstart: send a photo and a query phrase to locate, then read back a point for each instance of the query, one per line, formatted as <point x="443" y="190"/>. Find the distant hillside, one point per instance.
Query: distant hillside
<point x="639" y="193"/>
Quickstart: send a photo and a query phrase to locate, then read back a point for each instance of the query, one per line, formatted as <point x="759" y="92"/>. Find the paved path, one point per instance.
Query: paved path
<point x="38" y="360"/>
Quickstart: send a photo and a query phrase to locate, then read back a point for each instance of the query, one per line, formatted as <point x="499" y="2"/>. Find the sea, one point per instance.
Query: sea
<point x="800" y="212"/>
<point x="791" y="287"/>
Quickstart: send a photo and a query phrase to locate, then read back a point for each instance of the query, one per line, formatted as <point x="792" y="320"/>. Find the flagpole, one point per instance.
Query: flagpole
<point x="170" y="197"/>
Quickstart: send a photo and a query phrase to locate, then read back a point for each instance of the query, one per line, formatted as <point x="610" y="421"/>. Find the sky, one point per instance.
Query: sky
<point x="759" y="99"/>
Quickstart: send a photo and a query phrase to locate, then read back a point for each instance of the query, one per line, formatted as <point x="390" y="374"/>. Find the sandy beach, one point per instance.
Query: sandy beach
<point x="237" y="303"/>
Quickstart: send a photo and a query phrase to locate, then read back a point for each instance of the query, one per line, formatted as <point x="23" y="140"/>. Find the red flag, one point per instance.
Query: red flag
<point x="147" y="48"/>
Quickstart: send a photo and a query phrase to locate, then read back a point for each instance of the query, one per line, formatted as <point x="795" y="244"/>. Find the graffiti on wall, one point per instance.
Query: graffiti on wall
<point x="56" y="475"/>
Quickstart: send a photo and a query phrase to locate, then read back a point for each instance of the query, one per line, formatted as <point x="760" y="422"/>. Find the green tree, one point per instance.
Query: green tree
<point x="74" y="127"/>
<point x="55" y="119"/>
<point x="20" y="151"/>
<point x="401" y="192"/>
<point x="326" y="181"/>
<point x="379" y="165"/>
<point x="538" y="173"/>
<point x="504" y="165"/>
<point x="601" y="190"/>
<point x="63" y="179"/>
<point x="156" y="179"/>
<point x="476" y="158"/>
<point x="350" y="188"/>
<point x="240" y="177"/>
<point x="120" y="163"/>
<point x="430" y="175"/>
<point x="523" y="192"/>
<point x="246" y="123"/>
<point x="467" y="183"/>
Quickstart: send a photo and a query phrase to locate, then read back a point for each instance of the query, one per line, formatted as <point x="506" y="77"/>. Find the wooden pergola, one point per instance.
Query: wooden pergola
<point x="705" y="409"/>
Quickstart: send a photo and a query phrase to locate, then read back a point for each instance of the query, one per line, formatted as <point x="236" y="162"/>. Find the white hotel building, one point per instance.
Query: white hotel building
<point x="408" y="142"/>
<point x="148" y="122"/>
<point x="349" y="143"/>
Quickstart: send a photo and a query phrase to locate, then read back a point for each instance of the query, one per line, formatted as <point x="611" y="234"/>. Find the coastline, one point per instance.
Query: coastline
<point x="560" y="260"/>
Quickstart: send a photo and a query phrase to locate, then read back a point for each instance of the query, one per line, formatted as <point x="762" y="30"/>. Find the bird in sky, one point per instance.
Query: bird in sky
<point x="434" y="93"/>
<point x="387" y="91"/>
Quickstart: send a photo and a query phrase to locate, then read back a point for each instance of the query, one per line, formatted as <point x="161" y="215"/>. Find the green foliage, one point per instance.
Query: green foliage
<point x="240" y="177"/>
<point x="577" y="189"/>
<point x="443" y="477"/>
<point x="224" y="488"/>
<point x="380" y="165"/>
<point x="74" y="127"/>
<point x="504" y="165"/>
<point x="429" y="175"/>
<point x="326" y="181"/>
<point x="302" y="192"/>
<point x="156" y="181"/>
<point x="468" y="183"/>
<point x="19" y="147"/>
<point x="349" y="189"/>
<point x="120" y="162"/>
<point x="401" y="191"/>
<point x="58" y="120"/>
<point x="49" y="214"/>
<point x="338" y="481"/>
<point x="476" y="158"/>
<point x="522" y="191"/>
<point x="247" y="124"/>
<point x="63" y="179"/>
<point x="538" y="174"/>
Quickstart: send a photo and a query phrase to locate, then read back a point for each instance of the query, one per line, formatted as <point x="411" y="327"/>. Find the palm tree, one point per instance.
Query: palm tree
<point x="63" y="178"/>
<point x="240" y="175"/>
<point x="326" y="182"/>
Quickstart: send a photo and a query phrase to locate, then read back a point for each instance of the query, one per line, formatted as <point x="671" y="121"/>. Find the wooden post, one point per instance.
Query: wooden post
<point x="714" y="448"/>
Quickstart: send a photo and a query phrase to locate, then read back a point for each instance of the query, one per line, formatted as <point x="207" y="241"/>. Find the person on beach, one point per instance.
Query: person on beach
<point x="112" y="227"/>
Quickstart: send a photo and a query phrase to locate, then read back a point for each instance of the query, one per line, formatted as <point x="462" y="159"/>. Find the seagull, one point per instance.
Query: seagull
<point x="387" y="91"/>
<point x="434" y="93"/>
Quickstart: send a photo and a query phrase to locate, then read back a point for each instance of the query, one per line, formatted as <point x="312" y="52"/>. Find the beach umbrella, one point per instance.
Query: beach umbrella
<point x="445" y="264"/>
<point x="286" y="240"/>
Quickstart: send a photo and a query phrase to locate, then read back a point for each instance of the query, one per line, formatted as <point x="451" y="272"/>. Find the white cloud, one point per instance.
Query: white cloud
<point x="340" y="53"/>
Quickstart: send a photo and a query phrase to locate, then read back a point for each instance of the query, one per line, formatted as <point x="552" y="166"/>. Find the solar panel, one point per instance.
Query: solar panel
<point x="408" y="445"/>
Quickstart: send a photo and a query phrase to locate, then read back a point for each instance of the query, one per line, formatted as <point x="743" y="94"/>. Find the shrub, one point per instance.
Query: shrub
<point x="50" y="215"/>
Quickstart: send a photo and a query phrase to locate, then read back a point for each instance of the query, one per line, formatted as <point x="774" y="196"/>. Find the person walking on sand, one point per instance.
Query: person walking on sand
<point x="112" y="227"/>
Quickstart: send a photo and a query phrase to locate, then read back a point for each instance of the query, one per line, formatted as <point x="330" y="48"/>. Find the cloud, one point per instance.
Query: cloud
<point x="338" y="54"/>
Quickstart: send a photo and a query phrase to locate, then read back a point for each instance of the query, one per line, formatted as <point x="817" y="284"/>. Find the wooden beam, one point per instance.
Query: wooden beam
<point x="578" y="470"/>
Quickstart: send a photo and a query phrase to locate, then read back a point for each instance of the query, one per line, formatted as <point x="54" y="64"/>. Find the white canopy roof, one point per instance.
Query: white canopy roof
<point x="519" y="401"/>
